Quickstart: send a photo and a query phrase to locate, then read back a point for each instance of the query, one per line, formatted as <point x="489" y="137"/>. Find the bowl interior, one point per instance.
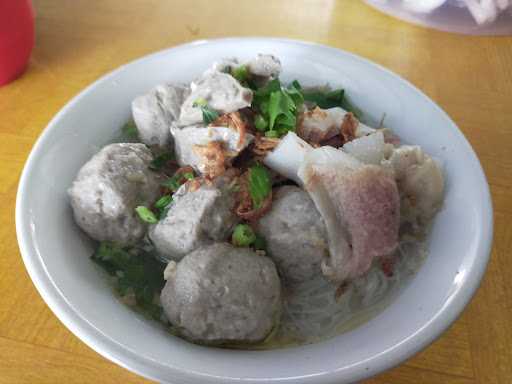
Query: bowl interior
<point x="57" y="253"/>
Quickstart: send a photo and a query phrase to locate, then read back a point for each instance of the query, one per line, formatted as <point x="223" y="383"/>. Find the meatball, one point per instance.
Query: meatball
<point x="221" y="91"/>
<point x="295" y="233"/>
<point x="267" y="66"/>
<point x="109" y="187"/>
<point x="188" y="140"/>
<point x="420" y="181"/>
<point x="220" y="294"/>
<point x="154" y="112"/>
<point x="195" y="218"/>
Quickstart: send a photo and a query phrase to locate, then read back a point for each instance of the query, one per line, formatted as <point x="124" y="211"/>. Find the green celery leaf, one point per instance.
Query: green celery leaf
<point x="260" y="185"/>
<point x="161" y="160"/>
<point x="332" y="99"/>
<point x="272" y="86"/>
<point x="325" y="100"/>
<point x="294" y="90"/>
<point x="130" y="130"/>
<point x="138" y="271"/>
<point x="280" y="104"/>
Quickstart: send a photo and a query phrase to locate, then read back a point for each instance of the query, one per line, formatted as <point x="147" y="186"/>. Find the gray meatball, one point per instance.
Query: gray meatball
<point x="155" y="111"/>
<point x="109" y="187"/>
<point x="220" y="294"/>
<point x="195" y="218"/>
<point x="295" y="233"/>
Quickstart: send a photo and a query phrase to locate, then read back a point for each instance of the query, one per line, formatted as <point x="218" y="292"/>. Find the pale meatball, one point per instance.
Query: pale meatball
<point x="155" y="111"/>
<point x="221" y="91"/>
<point x="189" y="140"/>
<point x="194" y="219"/>
<point x="420" y="181"/>
<point x="220" y="294"/>
<point x="265" y="65"/>
<point x="109" y="187"/>
<point x="295" y="234"/>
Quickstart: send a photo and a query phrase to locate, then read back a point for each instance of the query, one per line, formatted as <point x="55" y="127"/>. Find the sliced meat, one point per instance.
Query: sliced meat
<point x="222" y="294"/>
<point x="360" y="206"/>
<point x="155" y="111"/>
<point x="370" y="149"/>
<point x="287" y="157"/>
<point x="319" y="125"/>
<point x="109" y="187"/>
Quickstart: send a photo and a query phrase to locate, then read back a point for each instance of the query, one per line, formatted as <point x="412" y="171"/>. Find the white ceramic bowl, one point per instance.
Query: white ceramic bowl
<point x="56" y="253"/>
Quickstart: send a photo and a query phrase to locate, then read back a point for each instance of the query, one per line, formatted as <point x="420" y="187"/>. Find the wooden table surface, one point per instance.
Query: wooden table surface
<point x="79" y="41"/>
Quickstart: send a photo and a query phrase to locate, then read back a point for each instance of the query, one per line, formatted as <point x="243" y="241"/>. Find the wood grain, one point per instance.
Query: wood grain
<point x="78" y="41"/>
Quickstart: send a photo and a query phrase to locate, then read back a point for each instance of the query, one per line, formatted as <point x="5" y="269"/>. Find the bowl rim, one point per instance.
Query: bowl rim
<point x="148" y="368"/>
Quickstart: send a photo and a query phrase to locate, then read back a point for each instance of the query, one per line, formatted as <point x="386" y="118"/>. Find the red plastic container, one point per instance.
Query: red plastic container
<point x="16" y="38"/>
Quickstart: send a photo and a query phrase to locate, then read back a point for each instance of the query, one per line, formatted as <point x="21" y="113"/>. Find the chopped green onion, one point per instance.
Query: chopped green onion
<point x="200" y="102"/>
<point x="240" y="73"/>
<point x="243" y="236"/>
<point x="271" y="134"/>
<point x="146" y="215"/>
<point x="130" y="130"/>
<point x="260" y="243"/>
<point x="260" y="123"/>
<point x="163" y="202"/>
<point x="209" y="114"/>
<point x="173" y="183"/>
<point x="161" y="160"/>
<point x="260" y="185"/>
<point x="163" y="205"/>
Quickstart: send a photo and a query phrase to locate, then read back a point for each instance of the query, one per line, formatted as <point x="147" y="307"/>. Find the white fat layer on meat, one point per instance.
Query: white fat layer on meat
<point x="370" y="149"/>
<point x="287" y="157"/>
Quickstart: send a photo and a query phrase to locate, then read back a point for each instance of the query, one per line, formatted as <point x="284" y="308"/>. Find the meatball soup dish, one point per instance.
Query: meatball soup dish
<point x="244" y="212"/>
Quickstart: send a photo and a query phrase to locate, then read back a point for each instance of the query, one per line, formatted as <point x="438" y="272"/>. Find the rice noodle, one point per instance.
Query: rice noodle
<point x="311" y="311"/>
